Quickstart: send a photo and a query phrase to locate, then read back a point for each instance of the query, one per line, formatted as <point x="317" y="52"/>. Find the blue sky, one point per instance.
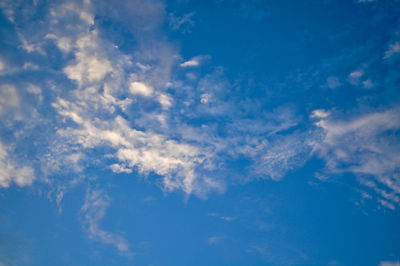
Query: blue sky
<point x="200" y="132"/>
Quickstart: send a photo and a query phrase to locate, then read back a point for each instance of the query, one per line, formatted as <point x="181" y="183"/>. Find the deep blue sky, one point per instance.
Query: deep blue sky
<point x="191" y="132"/>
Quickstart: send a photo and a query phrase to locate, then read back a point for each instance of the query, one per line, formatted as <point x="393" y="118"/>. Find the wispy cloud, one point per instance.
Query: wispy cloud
<point x="190" y="63"/>
<point x="93" y="211"/>
<point x="393" y="50"/>
<point x="184" y="22"/>
<point x="222" y="217"/>
<point x="365" y="146"/>
<point x="195" y="61"/>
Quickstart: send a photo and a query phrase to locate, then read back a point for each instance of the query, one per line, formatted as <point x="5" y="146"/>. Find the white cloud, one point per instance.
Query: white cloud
<point x="34" y="89"/>
<point x="320" y="113"/>
<point x="9" y="98"/>
<point x="11" y="172"/>
<point x="73" y="160"/>
<point x="195" y="61"/>
<point x="145" y="151"/>
<point x="190" y="63"/>
<point x="118" y="168"/>
<point x="205" y="98"/>
<point x="165" y="100"/>
<point x="70" y="8"/>
<point x="64" y="43"/>
<point x="143" y="67"/>
<point x="90" y="64"/>
<point x="355" y="76"/>
<point x="393" y="50"/>
<point x="31" y="47"/>
<point x="97" y="96"/>
<point x="365" y="146"/>
<point x="93" y="211"/>
<point x="141" y="88"/>
<point x="8" y="9"/>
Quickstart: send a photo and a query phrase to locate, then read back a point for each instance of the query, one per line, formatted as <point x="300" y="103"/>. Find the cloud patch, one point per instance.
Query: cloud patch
<point x="366" y="146"/>
<point x="11" y="172"/>
<point x="93" y="211"/>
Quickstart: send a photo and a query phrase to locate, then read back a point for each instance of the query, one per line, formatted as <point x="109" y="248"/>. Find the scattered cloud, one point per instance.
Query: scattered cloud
<point x="133" y="113"/>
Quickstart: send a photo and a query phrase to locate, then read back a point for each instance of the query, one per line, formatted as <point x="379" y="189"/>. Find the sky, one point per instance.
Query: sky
<point x="200" y="132"/>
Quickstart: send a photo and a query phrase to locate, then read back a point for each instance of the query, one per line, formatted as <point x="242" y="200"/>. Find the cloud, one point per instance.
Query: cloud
<point x="90" y="66"/>
<point x="393" y="50"/>
<point x="195" y="61"/>
<point x="190" y="63"/>
<point x="205" y="98"/>
<point x="319" y="113"/>
<point x="368" y="84"/>
<point x="355" y="76"/>
<point x="141" y="150"/>
<point x="367" y="146"/>
<point x="31" y="47"/>
<point x="11" y="172"/>
<point x="281" y="155"/>
<point x="141" y="88"/>
<point x="94" y="114"/>
<point x="128" y="112"/>
<point x="151" y="134"/>
<point x="184" y="22"/>
<point x="93" y="211"/>
<point x="9" y="98"/>
<point x="118" y="168"/>
<point x="63" y="43"/>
